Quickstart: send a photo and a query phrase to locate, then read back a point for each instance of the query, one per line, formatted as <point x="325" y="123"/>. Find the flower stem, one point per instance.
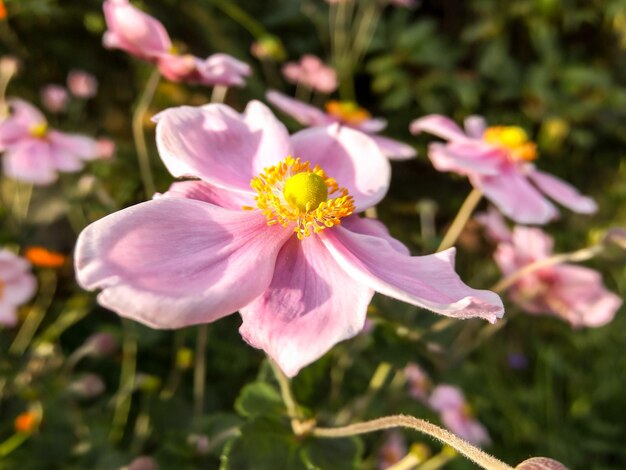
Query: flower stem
<point x="579" y="255"/>
<point x="239" y="16"/>
<point x="138" y="135"/>
<point x="48" y="286"/>
<point x="127" y="381"/>
<point x="218" y="95"/>
<point x="290" y="403"/>
<point x="464" y="214"/>
<point x="474" y="454"/>
<point x="199" y="372"/>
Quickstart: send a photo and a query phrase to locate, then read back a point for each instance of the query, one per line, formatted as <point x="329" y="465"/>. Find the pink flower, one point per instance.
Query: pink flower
<point x="573" y="293"/>
<point x="17" y="285"/>
<point x="456" y="415"/>
<point x="312" y="73"/>
<point x="35" y="153"/>
<point x="54" y="98"/>
<point x="82" y="84"/>
<point x="145" y="37"/>
<point x="497" y="160"/>
<point x="106" y="147"/>
<point x="403" y="3"/>
<point x="266" y="234"/>
<point x="418" y="381"/>
<point x="348" y="114"/>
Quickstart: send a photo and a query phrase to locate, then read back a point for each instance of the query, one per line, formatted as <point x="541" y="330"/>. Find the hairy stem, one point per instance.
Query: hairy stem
<point x="464" y="214"/>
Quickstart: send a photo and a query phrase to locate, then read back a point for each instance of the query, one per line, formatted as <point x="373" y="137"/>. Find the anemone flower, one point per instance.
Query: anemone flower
<point x="497" y="161"/>
<point x="573" y="293"/>
<point x="146" y="38"/>
<point x="456" y="415"/>
<point x="54" y="98"/>
<point x="17" y="285"/>
<point x="35" y="153"/>
<point x="267" y="233"/>
<point x="311" y="72"/>
<point x="345" y="113"/>
<point x="82" y="84"/>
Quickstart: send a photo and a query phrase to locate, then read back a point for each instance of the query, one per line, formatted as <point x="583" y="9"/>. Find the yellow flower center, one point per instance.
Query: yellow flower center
<point x="39" y="130"/>
<point x="514" y="139"/>
<point x="1" y="289"/>
<point x="347" y="111"/>
<point x="291" y="193"/>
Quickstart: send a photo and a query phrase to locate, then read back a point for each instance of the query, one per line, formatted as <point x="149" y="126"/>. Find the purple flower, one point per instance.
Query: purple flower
<point x="272" y="236"/>
<point x="497" y="160"/>
<point x="347" y="114"/>
<point x="54" y="98"/>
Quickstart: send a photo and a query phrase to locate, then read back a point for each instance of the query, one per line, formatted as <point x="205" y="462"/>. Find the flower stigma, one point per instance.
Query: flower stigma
<point x="293" y="193"/>
<point x="347" y="111"/>
<point x="39" y="130"/>
<point x="514" y="139"/>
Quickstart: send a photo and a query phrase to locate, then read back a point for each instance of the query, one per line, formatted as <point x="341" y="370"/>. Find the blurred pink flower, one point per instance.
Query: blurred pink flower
<point x="456" y="414"/>
<point x="100" y="345"/>
<point x="312" y="73"/>
<point x="347" y="114"/>
<point x="145" y="37"/>
<point x="54" y="98"/>
<point x="573" y="293"/>
<point x="35" y="153"/>
<point x="86" y="387"/>
<point x="17" y="285"/>
<point x="497" y="161"/>
<point x="106" y="147"/>
<point x="403" y="3"/>
<point x="392" y="451"/>
<point x="82" y="84"/>
<point x="418" y="381"/>
<point x="271" y="236"/>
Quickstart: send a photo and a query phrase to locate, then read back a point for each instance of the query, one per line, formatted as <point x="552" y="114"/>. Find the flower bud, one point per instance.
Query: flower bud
<point x="540" y="463"/>
<point x="101" y="345"/>
<point x="143" y="463"/>
<point x="88" y="386"/>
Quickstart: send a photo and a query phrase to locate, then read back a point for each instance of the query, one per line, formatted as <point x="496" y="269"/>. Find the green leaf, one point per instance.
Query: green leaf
<point x="264" y="444"/>
<point x="259" y="399"/>
<point x="332" y="454"/>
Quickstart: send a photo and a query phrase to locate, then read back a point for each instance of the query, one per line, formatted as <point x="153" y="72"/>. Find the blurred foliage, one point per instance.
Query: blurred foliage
<point x="555" y="67"/>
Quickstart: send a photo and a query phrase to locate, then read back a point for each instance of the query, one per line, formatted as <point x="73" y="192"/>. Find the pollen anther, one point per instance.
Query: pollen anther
<point x="514" y="139"/>
<point x="290" y="193"/>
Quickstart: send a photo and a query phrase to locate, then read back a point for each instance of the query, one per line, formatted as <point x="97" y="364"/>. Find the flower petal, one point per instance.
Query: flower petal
<point x="426" y="281"/>
<point x="475" y="126"/>
<point x="174" y="262"/>
<point x="494" y="224"/>
<point x="465" y="158"/>
<point x="515" y="197"/>
<point x="562" y="192"/>
<point x="394" y="149"/>
<point x="371" y="126"/>
<point x="31" y="161"/>
<point x="302" y="112"/>
<point x="219" y="145"/>
<point x="440" y="126"/>
<point x="311" y="305"/>
<point x="349" y="156"/>
<point x="202" y="191"/>
<point x="375" y="228"/>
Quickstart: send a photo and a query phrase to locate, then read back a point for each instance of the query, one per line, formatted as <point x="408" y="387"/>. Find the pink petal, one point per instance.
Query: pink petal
<point x="19" y="289"/>
<point x="25" y="113"/>
<point x="466" y="158"/>
<point x="302" y="112"/>
<point x="134" y="31"/>
<point x="582" y="298"/>
<point x="375" y="228"/>
<point x="426" y="281"/>
<point x="177" y="67"/>
<point x="464" y="427"/>
<point x="310" y="306"/>
<point x="440" y="126"/>
<point x="446" y="397"/>
<point x="531" y="243"/>
<point x="174" y="262"/>
<point x="494" y="224"/>
<point x="31" y="161"/>
<point x="371" y="126"/>
<point x="219" y="145"/>
<point x="223" y="69"/>
<point x="475" y="126"/>
<point x="202" y="191"/>
<point x="562" y="192"/>
<point x="81" y="146"/>
<point x="394" y="149"/>
<point x="349" y="156"/>
<point x="514" y="196"/>
<point x="8" y="314"/>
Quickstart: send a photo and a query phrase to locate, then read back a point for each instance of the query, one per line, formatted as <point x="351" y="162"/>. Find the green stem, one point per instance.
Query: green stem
<point x="218" y="95"/>
<point x="127" y="382"/>
<point x="474" y="454"/>
<point x="240" y="17"/>
<point x="13" y="443"/>
<point x="138" y="132"/>
<point x="48" y="286"/>
<point x="290" y="403"/>
<point x="199" y="373"/>
<point x="461" y="219"/>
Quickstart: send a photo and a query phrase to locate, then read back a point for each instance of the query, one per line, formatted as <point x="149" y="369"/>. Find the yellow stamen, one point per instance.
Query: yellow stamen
<point x="39" y="130"/>
<point x="291" y="193"/>
<point x="514" y="139"/>
<point x="347" y="111"/>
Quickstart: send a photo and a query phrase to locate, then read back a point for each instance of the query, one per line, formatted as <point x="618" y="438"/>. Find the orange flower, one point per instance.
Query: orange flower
<point x="43" y="258"/>
<point x="27" y="422"/>
<point x="3" y="10"/>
